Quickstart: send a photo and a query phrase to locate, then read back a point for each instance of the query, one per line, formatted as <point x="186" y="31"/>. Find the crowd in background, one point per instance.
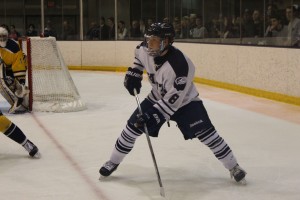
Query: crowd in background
<point x="283" y="23"/>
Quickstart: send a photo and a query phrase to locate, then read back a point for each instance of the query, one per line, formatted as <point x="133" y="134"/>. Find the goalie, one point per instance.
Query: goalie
<point x="13" y="68"/>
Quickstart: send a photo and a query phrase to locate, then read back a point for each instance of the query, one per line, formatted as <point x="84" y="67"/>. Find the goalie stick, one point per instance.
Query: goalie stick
<point x="162" y="191"/>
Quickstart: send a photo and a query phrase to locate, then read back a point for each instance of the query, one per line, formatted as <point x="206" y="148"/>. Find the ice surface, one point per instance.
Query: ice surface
<point x="75" y="145"/>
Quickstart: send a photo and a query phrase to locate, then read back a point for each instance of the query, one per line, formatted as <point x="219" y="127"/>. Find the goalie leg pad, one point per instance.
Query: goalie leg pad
<point x="5" y="86"/>
<point x="15" y="93"/>
<point x="6" y="93"/>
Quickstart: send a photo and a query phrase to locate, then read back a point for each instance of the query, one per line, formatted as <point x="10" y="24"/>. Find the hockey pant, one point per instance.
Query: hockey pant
<point x="193" y="122"/>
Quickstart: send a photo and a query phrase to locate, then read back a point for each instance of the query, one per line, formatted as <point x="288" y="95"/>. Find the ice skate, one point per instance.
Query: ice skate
<point x="238" y="174"/>
<point x="108" y="168"/>
<point x="32" y="149"/>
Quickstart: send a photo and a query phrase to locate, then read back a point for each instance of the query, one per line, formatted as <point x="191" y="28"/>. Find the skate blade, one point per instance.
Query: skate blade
<point x="102" y="178"/>
<point x="36" y="156"/>
<point x="243" y="181"/>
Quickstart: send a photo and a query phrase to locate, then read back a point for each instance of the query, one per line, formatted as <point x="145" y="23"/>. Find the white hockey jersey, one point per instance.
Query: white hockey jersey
<point x="171" y="77"/>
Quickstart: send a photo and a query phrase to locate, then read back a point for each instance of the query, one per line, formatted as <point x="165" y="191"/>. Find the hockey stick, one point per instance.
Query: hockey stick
<point x="162" y="191"/>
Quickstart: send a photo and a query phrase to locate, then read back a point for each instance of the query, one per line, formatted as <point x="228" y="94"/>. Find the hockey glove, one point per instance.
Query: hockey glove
<point x="152" y="118"/>
<point x="133" y="80"/>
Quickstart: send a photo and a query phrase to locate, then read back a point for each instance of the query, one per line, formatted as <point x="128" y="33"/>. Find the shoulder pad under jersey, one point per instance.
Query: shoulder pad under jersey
<point x="142" y="44"/>
<point x="12" y="46"/>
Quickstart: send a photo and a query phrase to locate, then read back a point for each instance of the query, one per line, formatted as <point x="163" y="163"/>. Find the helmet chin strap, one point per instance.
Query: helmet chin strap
<point x="163" y="48"/>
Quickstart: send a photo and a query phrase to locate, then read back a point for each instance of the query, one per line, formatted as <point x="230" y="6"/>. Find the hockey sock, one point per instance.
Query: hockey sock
<point x="218" y="146"/>
<point x="14" y="133"/>
<point x="124" y="143"/>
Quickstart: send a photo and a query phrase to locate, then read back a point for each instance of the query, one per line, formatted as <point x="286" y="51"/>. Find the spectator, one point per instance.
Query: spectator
<point x="177" y="27"/>
<point x="14" y="34"/>
<point x="49" y="30"/>
<point x="68" y="31"/>
<point x="277" y="28"/>
<point x="271" y="11"/>
<point x="142" y="27"/>
<point x="135" y="31"/>
<point x="103" y="30"/>
<point x="236" y="21"/>
<point x="122" y="30"/>
<point x="227" y="28"/>
<point x="247" y="24"/>
<point x="199" y="31"/>
<point x="111" y="25"/>
<point x="31" y="31"/>
<point x="192" y="21"/>
<point x="257" y="24"/>
<point x="93" y="32"/>
<point x="293" y="26"/>
<point x="185" y="31"/>
<point x="149" y="22"/>
<point x="166" y="20"/>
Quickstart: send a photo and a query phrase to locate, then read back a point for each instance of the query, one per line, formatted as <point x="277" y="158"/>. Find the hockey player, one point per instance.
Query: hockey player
<point x="13" y="68"/>
<point x="173" y="97"/>
<point x="16" y="134"/>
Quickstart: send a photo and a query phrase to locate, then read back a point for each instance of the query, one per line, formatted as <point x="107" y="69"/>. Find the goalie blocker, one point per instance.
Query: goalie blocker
<point x="13" y="90"/>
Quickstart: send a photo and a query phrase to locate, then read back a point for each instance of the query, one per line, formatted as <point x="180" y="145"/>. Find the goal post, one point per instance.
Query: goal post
<point x="51" y="86"/>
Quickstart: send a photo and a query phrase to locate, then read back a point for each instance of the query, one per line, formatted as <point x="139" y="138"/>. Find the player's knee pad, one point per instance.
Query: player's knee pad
<point x="4" y="123"/>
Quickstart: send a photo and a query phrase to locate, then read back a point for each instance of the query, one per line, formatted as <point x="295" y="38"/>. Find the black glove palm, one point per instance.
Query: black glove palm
<point x="133" y="80"/>
<point x="152" y="118"/>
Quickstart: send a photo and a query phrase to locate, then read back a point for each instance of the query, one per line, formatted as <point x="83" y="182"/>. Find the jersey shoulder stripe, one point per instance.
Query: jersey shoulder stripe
<point x="178" y="62"/>
<point x="142" y="44"/>
<point x="12" y="46"/>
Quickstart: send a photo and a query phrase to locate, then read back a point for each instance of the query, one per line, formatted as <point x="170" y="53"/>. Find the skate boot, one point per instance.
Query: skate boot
<point x="32" y="149"/>
<point x="108" y="168"/>
<point x="238" y="174"/>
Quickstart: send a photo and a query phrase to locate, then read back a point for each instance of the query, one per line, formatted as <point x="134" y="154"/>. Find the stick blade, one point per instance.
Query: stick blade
<point x="162" y="192"/>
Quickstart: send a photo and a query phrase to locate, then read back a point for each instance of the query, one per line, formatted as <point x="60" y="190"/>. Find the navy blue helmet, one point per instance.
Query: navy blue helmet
<point x="162" y="30"/>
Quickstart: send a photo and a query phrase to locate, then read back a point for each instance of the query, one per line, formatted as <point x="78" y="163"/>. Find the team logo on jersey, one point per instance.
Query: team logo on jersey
<point x="180" y="83"/>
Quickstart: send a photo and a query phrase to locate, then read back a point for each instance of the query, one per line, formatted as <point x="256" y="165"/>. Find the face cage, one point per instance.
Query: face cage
<point x="154" y="52"/>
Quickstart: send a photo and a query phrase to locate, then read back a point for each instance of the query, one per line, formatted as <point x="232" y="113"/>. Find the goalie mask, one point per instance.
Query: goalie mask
<point x="155" y="38"/>
<point x="3" y="37"/>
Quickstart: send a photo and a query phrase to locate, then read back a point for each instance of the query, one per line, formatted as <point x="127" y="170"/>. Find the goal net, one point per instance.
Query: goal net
<point x="51" y="86"/>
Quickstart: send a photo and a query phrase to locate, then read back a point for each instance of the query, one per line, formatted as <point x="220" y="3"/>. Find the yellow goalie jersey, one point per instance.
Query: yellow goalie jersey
<point x="14" y="60"/>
